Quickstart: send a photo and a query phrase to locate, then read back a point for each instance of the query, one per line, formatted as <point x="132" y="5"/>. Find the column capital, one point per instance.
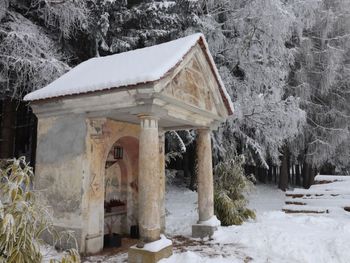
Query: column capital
<point x="148" y="121"/>
<point x="204" y="129"/>
<point x="147" y="116"/>
<point x="203" y="132"/>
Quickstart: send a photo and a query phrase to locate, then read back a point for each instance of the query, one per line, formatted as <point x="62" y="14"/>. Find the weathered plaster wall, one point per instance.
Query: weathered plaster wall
<point x="60" y="161"/>
<point x="70" y="172"/>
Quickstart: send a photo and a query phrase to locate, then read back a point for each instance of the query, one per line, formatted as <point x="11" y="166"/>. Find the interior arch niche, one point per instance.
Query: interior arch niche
<point x="121" y="189"/>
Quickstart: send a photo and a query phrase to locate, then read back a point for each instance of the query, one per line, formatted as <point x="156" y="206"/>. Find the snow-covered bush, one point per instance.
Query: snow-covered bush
<point x="230" y="186"/>
<point x="22" y="218"/>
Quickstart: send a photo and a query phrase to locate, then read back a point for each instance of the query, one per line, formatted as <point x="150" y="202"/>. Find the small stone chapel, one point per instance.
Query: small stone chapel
<point x="101" y="137"/>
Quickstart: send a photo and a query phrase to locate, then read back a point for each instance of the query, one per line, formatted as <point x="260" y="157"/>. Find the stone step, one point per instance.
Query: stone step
<point x="319" y="179"/>
<point x="291" y="202"/>
<point x="331" y="202"/>
<point x="292" y="209"/>
<point x="315" y="195"/>
<point x="328" y="194"/>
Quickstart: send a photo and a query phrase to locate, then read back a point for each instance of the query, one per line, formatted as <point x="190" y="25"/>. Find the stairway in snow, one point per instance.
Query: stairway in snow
<point x="328" y="194"/>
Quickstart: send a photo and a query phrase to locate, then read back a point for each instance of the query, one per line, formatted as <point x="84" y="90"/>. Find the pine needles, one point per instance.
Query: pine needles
<point x="230" y="186"/>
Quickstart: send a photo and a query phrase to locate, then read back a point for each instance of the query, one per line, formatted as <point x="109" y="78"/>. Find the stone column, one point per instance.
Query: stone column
<point x="162" y="179"/>
<point x="149" y="214"/>
<point x="205" y="175"/>
<point x="205" y="187"/>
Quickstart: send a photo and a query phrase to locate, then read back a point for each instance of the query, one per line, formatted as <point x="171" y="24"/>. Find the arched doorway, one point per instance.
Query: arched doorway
<point x="120" y="195"/>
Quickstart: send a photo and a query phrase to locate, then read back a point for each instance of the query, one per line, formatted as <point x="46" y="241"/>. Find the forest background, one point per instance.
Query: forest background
<point x="285" y="64"/>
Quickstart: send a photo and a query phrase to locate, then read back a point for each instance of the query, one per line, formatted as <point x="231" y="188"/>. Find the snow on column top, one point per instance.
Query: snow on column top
<point x="124" y="69"/>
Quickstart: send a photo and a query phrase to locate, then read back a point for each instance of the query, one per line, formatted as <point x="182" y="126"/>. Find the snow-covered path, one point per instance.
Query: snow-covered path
<point x="273" y="237"/>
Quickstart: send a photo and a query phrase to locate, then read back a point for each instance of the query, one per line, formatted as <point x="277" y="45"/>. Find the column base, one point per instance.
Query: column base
<point x="152" y="252"/>
<point x="202" y="231"/>
<point x="205" y="228"/>
<point x="93" y="244"/>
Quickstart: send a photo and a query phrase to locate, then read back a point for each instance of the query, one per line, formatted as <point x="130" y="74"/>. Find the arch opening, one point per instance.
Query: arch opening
<point x="120" y="190"/>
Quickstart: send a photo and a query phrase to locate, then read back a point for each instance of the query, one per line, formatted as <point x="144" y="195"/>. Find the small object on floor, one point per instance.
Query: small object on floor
<point x="140" y="244"/>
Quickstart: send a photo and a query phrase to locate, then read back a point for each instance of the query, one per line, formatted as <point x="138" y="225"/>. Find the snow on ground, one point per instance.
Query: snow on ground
<point x="48" y="253"/>
<point x="274" y="237"/>
<point x="266" y="197"/>
<point x="181" y="210"/>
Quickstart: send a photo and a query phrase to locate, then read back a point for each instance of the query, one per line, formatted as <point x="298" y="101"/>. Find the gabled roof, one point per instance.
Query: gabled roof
<point x="129" y="68"/>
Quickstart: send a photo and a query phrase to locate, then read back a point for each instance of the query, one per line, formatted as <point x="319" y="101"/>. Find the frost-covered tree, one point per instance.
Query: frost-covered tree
<point x="282" y="61"/>
<point x="321" y="78"/>
<point x="248" y="40"/>
<point x="126" y="25"/>
<point x="29" y="59"/>
<point x="31" y="54"/>
<point x="34" y="50"/>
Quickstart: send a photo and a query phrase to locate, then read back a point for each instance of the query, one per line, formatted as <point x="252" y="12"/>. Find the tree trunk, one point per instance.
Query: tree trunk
<point x="297" y="175"/>
<point x="186" y="167"/>
<point x="308" y="175"/>
<point x="7" y="128"/>
<point x="312" y="173"/>
<point x="262" y="175"/>
<point x="256" y="173"/>
<point x="270" y="174"/>
<point x="192" y="160"/>
<point x="283" y="182"/>
<point x="305" y="174"/>
<point x="293" y="174"/>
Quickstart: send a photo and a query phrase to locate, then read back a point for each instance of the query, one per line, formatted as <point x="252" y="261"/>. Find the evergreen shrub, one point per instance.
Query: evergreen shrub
<point x="231" y="185"/>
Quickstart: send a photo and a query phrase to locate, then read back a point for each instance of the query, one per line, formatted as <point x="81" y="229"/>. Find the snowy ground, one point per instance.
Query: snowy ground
<point x="274" y="237"/>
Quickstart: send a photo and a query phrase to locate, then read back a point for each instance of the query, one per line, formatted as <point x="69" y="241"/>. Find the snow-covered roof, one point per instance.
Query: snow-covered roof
<point x="129" y="68"/>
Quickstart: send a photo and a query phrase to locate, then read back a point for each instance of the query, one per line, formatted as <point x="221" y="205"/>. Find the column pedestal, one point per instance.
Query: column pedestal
<point x="136" y="255"/>
<point x="151" y="252"/>
<point x="206" y="228"/>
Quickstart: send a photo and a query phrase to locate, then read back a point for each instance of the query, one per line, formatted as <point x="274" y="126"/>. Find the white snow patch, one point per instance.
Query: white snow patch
<point x="266" y="197"/>
<point x="275" y="237"/>
<point x="49" y="253"/>
<point x="157" y="245"/>
<point x="213" y="221"/>
<point x="278" y="237"/>
<point x="182" y="212"/>
<point x="191" y="257"/>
